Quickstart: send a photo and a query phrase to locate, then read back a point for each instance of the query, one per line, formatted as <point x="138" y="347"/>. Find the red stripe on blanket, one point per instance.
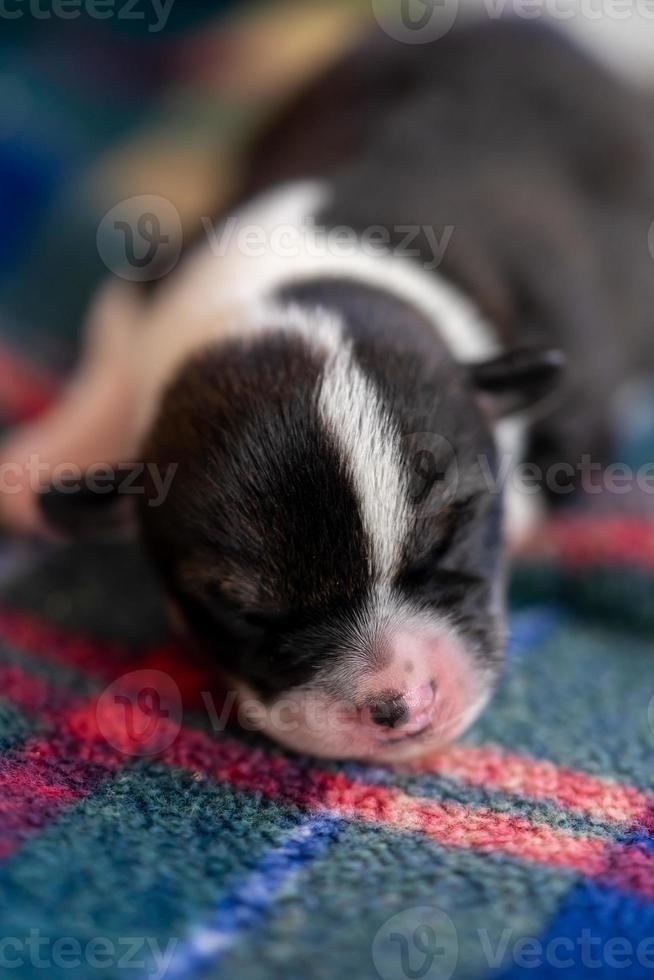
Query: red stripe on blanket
<point x="25" y="389"/>
<point x="89" y="741"/>
<point x="37" y="780"/>
<point x="495" y="769"/>
<point x="101" y="657"/>
<point x="95" y="735"/>
<point x="32" y="694"/>
<point x="581" y="541"/>
<point x="486" y="766"/>
<point x="93" y="740"/>
<point x="450" y="824"/>
<point x="106" y="659"/>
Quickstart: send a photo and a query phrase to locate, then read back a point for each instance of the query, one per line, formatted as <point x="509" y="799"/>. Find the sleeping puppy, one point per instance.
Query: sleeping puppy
<point x="335" y="422"/>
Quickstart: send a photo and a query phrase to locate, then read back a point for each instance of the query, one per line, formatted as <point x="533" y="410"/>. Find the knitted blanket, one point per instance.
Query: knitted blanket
<point x="144" y="833"/>
<point x="138" y="829"/>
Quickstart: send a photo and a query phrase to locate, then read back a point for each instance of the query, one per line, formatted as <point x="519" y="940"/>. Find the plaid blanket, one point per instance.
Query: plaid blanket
<point x="136" y="819"/>
<point x="144" y="833"/>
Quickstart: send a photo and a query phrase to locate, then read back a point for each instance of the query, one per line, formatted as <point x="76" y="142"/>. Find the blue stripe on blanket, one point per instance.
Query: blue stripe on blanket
<point x="247" y="903"/>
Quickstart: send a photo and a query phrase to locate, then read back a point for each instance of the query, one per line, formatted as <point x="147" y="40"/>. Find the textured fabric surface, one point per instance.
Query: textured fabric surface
<point x="142" y="835"/>
<point x="125" y="817"/>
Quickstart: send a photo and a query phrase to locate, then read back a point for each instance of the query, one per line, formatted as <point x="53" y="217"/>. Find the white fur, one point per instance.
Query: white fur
<point x="223" y="291"/>
<point x="369" y="439"/>
<point x="365" y="433"/>
<point x="233" y="275"/>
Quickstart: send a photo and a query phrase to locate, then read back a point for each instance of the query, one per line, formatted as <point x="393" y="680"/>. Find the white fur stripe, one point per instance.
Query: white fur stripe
<point x="235" y="277"/>
<point x="352" y="412"/>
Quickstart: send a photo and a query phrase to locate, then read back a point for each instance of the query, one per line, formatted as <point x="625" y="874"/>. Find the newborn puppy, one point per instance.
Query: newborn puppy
<point x="333" y="525"/>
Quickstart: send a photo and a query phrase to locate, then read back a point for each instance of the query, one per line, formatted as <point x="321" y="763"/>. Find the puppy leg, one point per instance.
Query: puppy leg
<point x="91" y="423"/>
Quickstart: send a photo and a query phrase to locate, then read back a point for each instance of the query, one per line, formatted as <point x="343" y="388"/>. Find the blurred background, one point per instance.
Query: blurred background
<point x="101" y="100"/>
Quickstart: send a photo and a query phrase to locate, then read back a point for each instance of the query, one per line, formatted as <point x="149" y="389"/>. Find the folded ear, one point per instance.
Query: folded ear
<point x="517" y="379"/>
<point x="97" y="502"/>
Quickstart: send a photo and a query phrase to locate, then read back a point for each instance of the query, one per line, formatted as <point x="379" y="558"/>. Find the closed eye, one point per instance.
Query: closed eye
<point x="452" y="523"/>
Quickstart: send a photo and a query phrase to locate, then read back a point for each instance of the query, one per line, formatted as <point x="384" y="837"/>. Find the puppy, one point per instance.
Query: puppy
<point x="336" y="421"/>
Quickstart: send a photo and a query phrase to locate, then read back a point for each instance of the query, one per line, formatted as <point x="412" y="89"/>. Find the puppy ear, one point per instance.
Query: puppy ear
<point x="91" y="505"/>
<point x="517" y="379"/>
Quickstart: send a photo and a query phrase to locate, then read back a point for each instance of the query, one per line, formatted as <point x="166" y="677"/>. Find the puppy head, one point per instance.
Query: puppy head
<point x="332" y="535"/>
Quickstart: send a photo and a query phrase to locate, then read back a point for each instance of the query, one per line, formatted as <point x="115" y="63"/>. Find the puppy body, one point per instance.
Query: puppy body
<point x="333" y="528"/>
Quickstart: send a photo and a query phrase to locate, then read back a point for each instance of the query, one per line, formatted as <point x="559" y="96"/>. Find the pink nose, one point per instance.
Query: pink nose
<point x="408" y="711"/>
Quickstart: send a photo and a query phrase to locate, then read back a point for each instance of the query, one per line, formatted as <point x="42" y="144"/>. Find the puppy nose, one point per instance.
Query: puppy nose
<point x="402" y="709"/>
<point x="389" y="710"/>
